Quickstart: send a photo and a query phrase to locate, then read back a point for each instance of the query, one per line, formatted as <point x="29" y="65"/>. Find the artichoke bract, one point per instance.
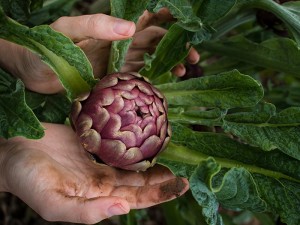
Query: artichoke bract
<point x="123" y="121"/>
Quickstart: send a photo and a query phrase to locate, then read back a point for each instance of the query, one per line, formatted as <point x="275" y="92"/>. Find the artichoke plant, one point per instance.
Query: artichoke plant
<point x="123" y="121"/>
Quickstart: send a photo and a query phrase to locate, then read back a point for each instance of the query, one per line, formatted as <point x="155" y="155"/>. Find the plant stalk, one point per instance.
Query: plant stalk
<point x="185" y="155"/>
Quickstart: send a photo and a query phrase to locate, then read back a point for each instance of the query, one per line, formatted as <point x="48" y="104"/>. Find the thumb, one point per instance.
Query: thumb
<point x="87" y="211"/>
<point x="96" y="26"/>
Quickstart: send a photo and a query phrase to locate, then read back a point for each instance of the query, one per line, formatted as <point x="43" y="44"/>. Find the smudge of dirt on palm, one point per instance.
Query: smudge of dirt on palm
<point x="172" y="189"/>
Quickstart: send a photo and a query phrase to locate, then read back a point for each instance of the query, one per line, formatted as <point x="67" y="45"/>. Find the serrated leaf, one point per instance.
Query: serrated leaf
<point x="66" y="59"/>
<point x="237" y="188"/>
<point x="227" y="90"/>
<point x="228" y="152"/>
<point x="229" y="173"/>
<point x="233" y="189"/>
<point x="202" y="193"/>
<point x="280" y="131"/>
<point x="16" y="118"/>
<point x="282" y="196"/>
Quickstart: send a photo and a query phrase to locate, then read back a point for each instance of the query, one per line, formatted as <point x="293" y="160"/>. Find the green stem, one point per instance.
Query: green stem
<point x="110" y="66"/>
<point x="185" y="155"/>
<point x="280" y="11"/>
<point x="275" y="8"/>
<point x="68" y="74"/>
<point x="186" y="119"/>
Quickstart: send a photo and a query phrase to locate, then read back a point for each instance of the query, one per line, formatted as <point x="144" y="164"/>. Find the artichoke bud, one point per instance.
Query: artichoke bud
<point x="123" y="121"/>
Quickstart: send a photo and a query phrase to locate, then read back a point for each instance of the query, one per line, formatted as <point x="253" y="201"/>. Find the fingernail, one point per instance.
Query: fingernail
<point x="115" y="210"/>
<point x="123" y="27"/>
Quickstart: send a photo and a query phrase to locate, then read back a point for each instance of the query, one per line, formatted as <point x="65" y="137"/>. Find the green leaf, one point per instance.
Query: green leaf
<point x="282" y="196"/>
<point x="16" y="118"/>
<point x="182" y="10"/>
<point x="237" y="188"/>
<point x="188" y="209"/>
<point x="211" y="11"/>
<point x="51" y="11"/>
<point x="293" y="96"/>
<point x="20" y="9"/>
<point x="269" y="130"/>
<point x="202" y="193"/>
<point x="66" y="59"/>
<point x="171" y="50"/>
<point x="260" y="113"/>
<point x="280" y="54"/>
<point x="232" y="174"/>
<point x="53" y="108"/>
<point x="234" y="189"/>
<point x="128" y="10"/>
<point x="227" y="90"/>
<point x="182" y="169"/>
<point x="191" y="147"/>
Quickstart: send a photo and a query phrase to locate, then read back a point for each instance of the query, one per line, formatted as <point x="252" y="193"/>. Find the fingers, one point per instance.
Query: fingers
<point x="82" y="210"/>
<point x="148" y="37"/>
<point x="144" y="41"/>
<point x="97" y="26"/>
<point x="132" y="66"/>
<point x="149" y="195"/>
<point x="149" y="19"/>
<point x="154" y="175"/>
<point x="179" y="70"/>
<point x="149" y="188"/>
<point x="193" y="56"/>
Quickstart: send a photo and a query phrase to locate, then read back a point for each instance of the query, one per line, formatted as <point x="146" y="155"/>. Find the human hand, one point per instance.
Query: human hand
<point x="93" y="33"/>
<point x="57" y="178"/>
<point x="148" y="35"/>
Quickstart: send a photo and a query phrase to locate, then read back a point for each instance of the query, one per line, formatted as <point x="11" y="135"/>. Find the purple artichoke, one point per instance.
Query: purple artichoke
<point x="123" y="121"/>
